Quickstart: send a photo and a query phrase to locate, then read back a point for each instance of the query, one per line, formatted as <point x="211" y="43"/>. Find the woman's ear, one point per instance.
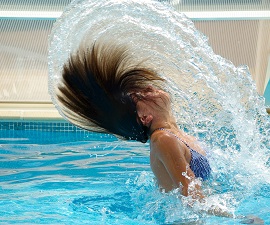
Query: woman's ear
<point x="146" y="119"/>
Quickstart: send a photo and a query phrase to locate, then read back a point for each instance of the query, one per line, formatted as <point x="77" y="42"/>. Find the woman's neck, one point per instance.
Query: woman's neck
<point x="162" y="118"/>
<point x="166" y="124"/>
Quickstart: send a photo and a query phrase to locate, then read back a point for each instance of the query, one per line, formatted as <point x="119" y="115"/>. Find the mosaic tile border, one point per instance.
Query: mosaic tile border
<point x="56" y="126"/>
<point x="46" y="132"/>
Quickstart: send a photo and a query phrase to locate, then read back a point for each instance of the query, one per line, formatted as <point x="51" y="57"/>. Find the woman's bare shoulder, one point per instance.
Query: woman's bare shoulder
<point x="161" y="136"/>
<point x="162" y="141"/>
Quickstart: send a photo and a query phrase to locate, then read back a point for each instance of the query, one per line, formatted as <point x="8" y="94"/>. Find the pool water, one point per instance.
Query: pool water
<point x="60" y="178"/>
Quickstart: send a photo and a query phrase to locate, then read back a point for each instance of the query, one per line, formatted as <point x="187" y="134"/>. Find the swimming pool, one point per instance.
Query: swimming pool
<point x="54" y="173"/>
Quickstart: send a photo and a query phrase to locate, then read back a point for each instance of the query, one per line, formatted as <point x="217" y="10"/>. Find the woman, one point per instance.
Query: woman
<point x="102" y="91"/>
<point x="176" y="158"/>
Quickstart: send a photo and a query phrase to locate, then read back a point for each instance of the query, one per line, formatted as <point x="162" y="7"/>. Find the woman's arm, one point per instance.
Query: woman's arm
<point x="172" y="154"/>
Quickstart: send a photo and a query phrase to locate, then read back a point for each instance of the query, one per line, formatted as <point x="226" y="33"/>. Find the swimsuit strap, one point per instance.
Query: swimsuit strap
<point x="180" y="139"/>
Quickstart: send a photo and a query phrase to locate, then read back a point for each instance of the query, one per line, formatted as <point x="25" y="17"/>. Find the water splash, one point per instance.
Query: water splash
<point x="212" y="99"/>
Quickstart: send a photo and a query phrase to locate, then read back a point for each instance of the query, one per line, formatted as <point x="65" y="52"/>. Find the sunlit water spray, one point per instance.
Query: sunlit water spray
<point x="212" y="99"/>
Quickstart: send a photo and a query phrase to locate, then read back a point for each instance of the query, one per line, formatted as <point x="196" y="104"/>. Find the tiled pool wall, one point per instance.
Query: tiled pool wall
<point x="55" y="126"/>
<point x="44" y="132"/>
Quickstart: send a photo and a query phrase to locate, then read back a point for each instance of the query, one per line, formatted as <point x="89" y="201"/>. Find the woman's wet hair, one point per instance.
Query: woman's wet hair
<point x="95" y="91"/>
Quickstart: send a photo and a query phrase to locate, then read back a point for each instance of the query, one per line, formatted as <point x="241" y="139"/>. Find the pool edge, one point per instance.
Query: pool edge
<point x="44" y="111"/>
<point x="41" y="111"/>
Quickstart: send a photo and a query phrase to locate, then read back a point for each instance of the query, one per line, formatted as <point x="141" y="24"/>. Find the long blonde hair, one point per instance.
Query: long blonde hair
<point x="96" y="87"/>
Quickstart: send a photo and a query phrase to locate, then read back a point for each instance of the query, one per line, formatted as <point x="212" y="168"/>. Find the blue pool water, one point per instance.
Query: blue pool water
<point x="69" y="178"/>
<point x="101" y="181"/>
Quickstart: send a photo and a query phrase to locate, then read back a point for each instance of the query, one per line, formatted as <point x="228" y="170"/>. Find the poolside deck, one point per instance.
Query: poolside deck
<point x="33" y="111"/>
<point x="28" y="111"/>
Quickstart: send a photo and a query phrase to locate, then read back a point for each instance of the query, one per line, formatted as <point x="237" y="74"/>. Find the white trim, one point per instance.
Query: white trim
<point x="228" y="15"/>
<point x="205" y="15"/>
<point x="30" y="14"/>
